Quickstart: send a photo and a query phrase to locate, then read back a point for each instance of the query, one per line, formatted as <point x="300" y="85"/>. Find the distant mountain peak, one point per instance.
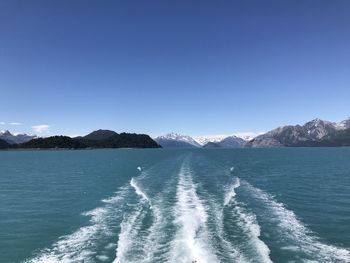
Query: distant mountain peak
<point x="6" y="132"/>
<point x="204" y="139"/>
<point x="174" y="139"/>
<point x="345" y="124"/>
<point x="15" y="139"/>
<point x="317" y="122"/>
<point x="310" y="133"/>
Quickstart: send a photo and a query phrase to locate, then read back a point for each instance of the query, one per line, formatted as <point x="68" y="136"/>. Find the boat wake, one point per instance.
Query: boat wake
<point x="185" y="222"/>
<point x="81" y="245"/>
<point x="253" y="246"/>
<point x="296" y="236"/>
<point x="191" y="243"/>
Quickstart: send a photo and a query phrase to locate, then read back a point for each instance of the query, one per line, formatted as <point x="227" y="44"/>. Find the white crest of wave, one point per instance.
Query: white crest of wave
<point x="138" y="190"/>
<point x="294" y="230"/>
<point x="191" y="243"/>
<point x="230" y="192"/>
<point x="79" y="246"/>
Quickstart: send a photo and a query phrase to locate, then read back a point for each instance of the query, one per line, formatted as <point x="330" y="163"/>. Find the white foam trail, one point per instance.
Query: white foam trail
<point x="127" y="233"/>
<point x="231" y="253"/>
<point x="230" y="193"/>
<point x="138" y="191"/>
<point x="154" y="242"/>
<point x="291" y="228"/>
<point x="130" y="226"/>
<point x="139" y="168"/>
<point x="248" y="222"/>
<point x="79" y="246"/>
<point x="191" y="243"/>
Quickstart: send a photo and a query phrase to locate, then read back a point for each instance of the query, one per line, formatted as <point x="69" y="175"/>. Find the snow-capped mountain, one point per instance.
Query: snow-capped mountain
<point x="345" y="124"/>
<point x="14" y="139"/>
<point x="176" y="140"/>
<point x="228" y="142"/>
<point x="311" y="133"/>
<point x="232" y="142"/>
<point x="316" y="132"/>
<point x="204" y="139"/>
<point x="246" y="136"/>
<point x="317" y="128"/>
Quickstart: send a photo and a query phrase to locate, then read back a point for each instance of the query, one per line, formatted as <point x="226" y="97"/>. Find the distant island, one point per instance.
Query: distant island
<point x="96" y="139"/>
<point x="315" y="133"/>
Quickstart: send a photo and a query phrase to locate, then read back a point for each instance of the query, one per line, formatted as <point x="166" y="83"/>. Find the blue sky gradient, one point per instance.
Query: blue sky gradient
<point x="195" y="67"/>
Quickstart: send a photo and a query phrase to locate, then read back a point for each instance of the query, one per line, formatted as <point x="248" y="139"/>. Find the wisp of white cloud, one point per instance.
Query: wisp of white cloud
<point x="41" y="128"/>
<point x="15" y="123"/>
<point x="2" y="123"/>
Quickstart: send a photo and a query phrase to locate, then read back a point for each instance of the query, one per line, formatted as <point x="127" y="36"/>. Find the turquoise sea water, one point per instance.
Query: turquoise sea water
<point x="277" y="205"/>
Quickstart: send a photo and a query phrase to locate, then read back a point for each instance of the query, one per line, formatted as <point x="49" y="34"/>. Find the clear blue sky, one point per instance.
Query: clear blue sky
<point x="195" y="67"/>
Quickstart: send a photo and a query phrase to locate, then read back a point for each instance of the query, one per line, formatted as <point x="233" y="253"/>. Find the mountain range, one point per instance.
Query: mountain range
<point x="313" y="133"/>
<point x="175" y="140"/>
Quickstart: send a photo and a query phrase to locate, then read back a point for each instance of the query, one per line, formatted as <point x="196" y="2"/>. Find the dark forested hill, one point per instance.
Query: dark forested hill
<point x="122" y="140"/>
<point x="63" y="142"/>
<point x="100" y="135"/>
<point x="97" y="139"/>
<point x="4" y="144"/>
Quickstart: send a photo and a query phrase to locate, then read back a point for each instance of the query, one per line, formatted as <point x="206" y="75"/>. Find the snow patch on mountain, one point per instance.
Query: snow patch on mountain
<point x="204" y="139"/>
<point x="215" y="138"/>
<point x="345" y="124"/>
<point x="178" y="137"/>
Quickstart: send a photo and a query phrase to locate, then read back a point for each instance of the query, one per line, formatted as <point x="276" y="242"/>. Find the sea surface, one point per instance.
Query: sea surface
<point x="158" y="205"/>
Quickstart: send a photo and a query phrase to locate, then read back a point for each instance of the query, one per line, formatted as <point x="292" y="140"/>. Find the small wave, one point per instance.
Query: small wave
<point x="130" y="238"/>
<point x="230" y="193"/>
<point x="248" y="222"/>
<point x="230" y="253"/>
<point x="102" y="257"/>
<point x="79" y="246"/>
<point x="138" y="190"/>
<point x="155" y="245"/>
<point x="252" y="229"/>
<point x="191" y="243"/>
<point x="298" y="234"/>
<point x="154" y="241"/>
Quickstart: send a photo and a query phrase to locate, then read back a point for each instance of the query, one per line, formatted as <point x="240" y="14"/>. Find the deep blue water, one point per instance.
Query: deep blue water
<point x="202" y="205"/>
